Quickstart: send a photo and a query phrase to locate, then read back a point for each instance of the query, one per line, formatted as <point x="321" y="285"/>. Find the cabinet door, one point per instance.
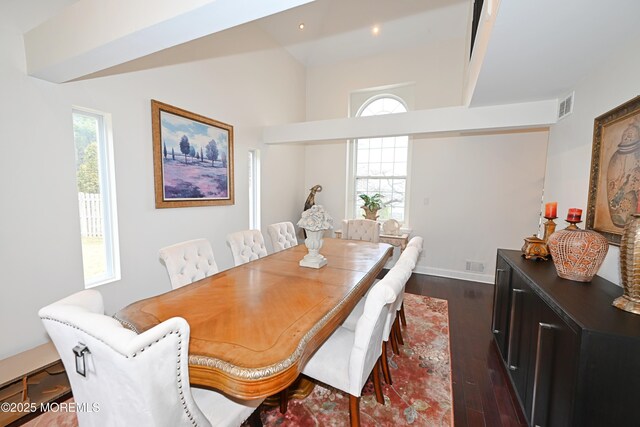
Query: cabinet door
<point x="554" y="369"/>
<point x="522" y="315"/>
<point x="501" y="304"/>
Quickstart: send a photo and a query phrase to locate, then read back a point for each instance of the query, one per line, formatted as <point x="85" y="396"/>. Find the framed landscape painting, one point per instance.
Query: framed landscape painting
<point x="614" y="188"/>
<point x="193" y="158"/>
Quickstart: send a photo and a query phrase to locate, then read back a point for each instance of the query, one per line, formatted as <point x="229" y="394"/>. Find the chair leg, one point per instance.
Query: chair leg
<point x="376" y="382"/>
<point x="284" y="400"/>
<point x="394" y="341"/>
<point x="385" y="364"/>
<point x="396" y="324"/>
<point x="254" y="419"/>
<point x="354" y="410"/>
<point x="402" y="316"/>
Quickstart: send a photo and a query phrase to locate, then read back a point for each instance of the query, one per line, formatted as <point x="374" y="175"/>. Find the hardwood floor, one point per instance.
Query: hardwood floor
<point x="481" y="393"/>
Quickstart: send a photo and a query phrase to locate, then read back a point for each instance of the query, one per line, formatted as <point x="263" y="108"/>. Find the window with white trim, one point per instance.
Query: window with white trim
<point x="380" y="164"/>
<point x="254" y="189"/>
<point x="96" y="196"/>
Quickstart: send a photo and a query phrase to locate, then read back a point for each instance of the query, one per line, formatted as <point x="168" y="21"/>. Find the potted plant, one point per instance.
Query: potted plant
<point x="372" y="204"/>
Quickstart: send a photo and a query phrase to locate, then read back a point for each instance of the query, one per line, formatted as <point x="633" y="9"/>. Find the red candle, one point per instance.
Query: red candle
<point x="574" y="215"/>
<point x="551" y="210"/>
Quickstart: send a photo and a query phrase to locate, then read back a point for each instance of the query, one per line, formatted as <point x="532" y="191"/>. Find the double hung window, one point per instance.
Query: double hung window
<point x="380" y="164"/>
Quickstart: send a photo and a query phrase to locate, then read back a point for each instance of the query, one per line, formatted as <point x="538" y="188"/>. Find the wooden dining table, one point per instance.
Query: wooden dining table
<point x="254" y="326"/>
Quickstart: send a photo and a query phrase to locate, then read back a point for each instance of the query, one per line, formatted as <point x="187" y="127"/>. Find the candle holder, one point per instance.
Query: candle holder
<point x="549" y="227"/>
<point x="572" y="224"/>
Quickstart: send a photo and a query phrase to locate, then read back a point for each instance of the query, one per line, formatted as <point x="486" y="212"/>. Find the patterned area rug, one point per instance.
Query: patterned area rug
<point x="420" y="394"/>
<point x="421" y="376"/>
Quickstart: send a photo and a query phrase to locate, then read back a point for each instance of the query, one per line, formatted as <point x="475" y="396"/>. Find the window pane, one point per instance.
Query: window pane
<point x="402" y="141"/>
<point x="373" y="186"/>
<point x="399" y="169"/>
<point x="363" y="156"/>
<point x="363" y="169"/>
<point x="398" y="185"/>
<point x="375" y="155"/>
<point x="388" y="142"/>
<point x="386" y="169"/>
<point x="385" y="186"/>
<point x="388" y="154"/>
<point x="96" y="209"/>
<point x="374" y="169"/>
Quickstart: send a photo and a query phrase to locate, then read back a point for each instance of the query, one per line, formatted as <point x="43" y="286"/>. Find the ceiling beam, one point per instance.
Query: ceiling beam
<point x="90" y="35"/>
<point x="436" y="121"/>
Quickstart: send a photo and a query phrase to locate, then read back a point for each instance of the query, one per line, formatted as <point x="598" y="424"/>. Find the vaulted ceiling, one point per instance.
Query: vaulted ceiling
<point x="537" y="49"/>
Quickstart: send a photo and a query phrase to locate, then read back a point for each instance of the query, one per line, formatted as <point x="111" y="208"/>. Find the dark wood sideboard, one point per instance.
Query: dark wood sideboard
<point x="572" y="358"/>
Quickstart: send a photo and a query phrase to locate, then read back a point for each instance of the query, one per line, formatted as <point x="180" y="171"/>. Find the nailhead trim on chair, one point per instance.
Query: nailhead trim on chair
<point x="126" y="324"/>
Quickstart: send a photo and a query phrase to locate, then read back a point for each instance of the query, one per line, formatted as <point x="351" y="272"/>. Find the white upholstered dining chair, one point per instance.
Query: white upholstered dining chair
<point x="188" y="261"/>
<point x="283" y="235"/>
<point x="396" y="279"/>
<point x="361" y="229"/>
<point x="130" y="379"/>
<point x="246" y="246"/>
<point x="409" y="259"/>
<point x="416" y="242"/>
<point x="347" y="358"/>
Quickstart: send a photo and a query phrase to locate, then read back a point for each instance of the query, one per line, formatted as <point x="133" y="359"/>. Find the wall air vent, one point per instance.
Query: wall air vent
<point x="565" y="106"/>
<point x="477" y="266"/>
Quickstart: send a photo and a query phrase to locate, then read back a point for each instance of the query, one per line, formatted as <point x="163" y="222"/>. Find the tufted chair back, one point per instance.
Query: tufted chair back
<point x="347" y="358"/>
<point x="189" y="261"/>
<point x="409" y="257"/>
<point x="367" y="345"/>
<point x="131" y="379"/>
<point x="283" y="235"/>
<point x="397" y="280"/>
<point x="246" y="246"/>
<point x="416" y="242"/>
<point x="361" y="229"/>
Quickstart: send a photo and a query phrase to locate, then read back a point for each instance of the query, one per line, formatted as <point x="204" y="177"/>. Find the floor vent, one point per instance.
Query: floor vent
<point x="565" y="106"/>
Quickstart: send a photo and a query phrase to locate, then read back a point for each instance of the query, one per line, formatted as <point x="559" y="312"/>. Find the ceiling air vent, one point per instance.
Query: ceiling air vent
<point x="565" y="106"/>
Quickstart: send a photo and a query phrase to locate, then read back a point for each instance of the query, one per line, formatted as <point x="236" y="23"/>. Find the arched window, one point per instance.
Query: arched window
<point x="381" y="163"/>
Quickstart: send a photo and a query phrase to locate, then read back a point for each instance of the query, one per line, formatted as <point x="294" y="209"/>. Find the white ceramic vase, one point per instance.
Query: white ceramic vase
<point x="313" y="242"/>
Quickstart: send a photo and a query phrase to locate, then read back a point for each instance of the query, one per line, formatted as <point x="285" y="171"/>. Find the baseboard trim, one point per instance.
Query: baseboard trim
<point x="453" y="274"/>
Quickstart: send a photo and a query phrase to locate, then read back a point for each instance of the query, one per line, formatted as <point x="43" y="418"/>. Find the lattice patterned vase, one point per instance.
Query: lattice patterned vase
<point x="576" y="253"/>
<point x="630" y="267"/>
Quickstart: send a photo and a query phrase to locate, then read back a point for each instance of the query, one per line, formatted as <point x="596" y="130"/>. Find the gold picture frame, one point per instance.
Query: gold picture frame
<point x="192" y="158"/>
<point x="614" y="184"/>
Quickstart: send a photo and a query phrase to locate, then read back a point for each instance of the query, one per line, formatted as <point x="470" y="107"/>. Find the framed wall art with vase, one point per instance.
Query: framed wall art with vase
<point x="614" y="187"/>
<point x="192" y="158"/>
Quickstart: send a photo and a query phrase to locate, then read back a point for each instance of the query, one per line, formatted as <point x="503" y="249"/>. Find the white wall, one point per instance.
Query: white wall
<point x="474" y="184"/>
<point x="469" y="195"/>
<point x="437" y="74"/>
<point x="39" y="226"/>
<point x="570" y="140"/>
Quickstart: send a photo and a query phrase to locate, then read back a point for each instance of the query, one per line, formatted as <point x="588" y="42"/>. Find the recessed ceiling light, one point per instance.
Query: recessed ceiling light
<point x="301" y="26"/>
<point x="375" y="30"/>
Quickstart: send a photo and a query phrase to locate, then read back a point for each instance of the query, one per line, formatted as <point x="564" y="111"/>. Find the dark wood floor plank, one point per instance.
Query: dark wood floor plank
<point x="481" y="394"/>
<point x="476" y="419"/>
